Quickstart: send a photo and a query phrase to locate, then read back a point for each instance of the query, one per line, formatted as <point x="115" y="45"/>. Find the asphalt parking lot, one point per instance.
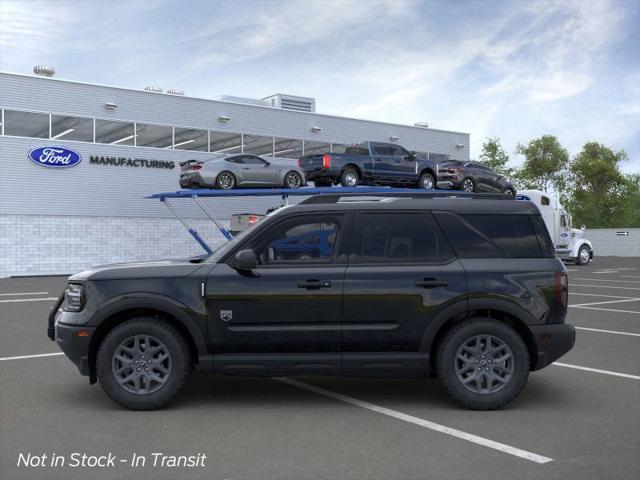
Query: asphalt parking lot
<point x="577" y="419"/>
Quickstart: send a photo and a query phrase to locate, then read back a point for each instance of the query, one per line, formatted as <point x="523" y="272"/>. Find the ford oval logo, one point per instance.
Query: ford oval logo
<point x="55" y="157"/>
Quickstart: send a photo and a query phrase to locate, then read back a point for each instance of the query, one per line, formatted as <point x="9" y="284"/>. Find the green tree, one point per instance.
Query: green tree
<point x="495" y="157"/>
<point x="630" y="216"/>
<point x="545" y="164"/>
<point x="600" y="195"/>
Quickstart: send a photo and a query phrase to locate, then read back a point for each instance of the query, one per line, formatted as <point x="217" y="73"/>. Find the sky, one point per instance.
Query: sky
<point x="509" y="69"/>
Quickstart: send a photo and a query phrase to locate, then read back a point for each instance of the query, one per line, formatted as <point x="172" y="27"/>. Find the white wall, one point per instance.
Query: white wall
<point x="607" y="242"/>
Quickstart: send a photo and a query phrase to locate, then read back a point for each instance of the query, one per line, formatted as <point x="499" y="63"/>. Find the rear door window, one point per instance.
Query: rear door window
<point x="544" y="239"/>
<point x="398" y="238"/>
<point x="467" y="241"/>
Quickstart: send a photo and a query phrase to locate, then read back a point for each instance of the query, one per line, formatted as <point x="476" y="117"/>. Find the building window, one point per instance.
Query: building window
<point x="258" y="145"/>
<point x="115" y="133"/>
<point x="316" y="148"/>
<point x="157" y="136"/>
<point x="191" y="139"/>
<point x="287" y="148"/>
<point x="225" y="143"/>
<point x="26" y="124"/>
<point x="71" y="128"/>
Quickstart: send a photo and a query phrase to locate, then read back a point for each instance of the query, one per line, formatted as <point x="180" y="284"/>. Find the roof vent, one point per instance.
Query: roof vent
<point x="175" y="91"/>
<point x="44" y="71"/>
<point x="421" y="124"/>
<point x="292" y="102"/>
<point x="153" y="88"/>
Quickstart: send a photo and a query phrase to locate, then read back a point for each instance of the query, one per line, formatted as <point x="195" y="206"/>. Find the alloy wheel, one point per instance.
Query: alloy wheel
<point x="351" y="179"/>
<point x="141" y="364"/>
<point x="484" y="364"/>
<point x="226" y="181"/>
<point x="293" y="180"/>
<point x="467" y="185"/>
<point x="427" y="182"/>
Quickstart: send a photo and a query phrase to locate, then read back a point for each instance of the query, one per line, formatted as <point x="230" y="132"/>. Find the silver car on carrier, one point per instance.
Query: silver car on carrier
<point x="243" y="170"/>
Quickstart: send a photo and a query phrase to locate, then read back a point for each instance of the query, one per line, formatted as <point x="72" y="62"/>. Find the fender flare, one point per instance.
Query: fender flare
<point x="462" y="307"/>
<point x="139" y="300"/>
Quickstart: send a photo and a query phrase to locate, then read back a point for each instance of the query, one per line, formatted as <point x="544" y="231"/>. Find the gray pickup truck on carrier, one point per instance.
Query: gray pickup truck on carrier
<point x="371" y="163"/>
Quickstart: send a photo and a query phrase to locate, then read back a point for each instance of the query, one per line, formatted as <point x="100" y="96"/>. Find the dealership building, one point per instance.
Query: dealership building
<point x="127" y="144"/>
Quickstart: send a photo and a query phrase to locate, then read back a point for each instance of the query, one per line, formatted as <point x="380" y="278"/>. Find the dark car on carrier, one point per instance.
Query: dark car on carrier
<point x="466" y="288"/>
<point x="472" y="177"/>
<point x="371" y="163"/>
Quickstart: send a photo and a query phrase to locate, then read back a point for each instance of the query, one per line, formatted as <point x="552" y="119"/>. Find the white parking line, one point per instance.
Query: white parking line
<point x="604" y="286"/>
<point x="608" y="331"/>
<point x="23" y="293"/>
<point x="596" y="295"/>
<point x="22" y="357"/>
<point x="608" y="309"/>
<point x="608" y="271"/>
<point x="629" y="276"/>
<point x="607" y="280"/>
<point x="485" y="442"/>
<point x="16" y="300"/>
<point x="607" y="301"/>
<point x="597" y="370"/>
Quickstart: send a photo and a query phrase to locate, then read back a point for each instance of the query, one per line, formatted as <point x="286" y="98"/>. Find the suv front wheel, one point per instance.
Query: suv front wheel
<point x="143" y="363"/>
<point x="483" y="363"/>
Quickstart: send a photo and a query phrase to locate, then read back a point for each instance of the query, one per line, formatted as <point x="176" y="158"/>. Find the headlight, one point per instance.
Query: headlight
<point x="74" y="296"/>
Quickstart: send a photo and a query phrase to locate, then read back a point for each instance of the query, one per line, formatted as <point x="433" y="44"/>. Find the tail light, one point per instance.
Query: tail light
<point x="562" y="289"/>
<point x="299" y="162"/>
<point x="453" y="170"/>
<point x="253" y="219"/>
<point x="326" y="161"/>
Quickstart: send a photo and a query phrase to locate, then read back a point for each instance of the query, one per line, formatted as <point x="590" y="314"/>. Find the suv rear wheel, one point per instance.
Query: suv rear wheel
<point x="426" y="181"/>
<point x="468" y="185"/>
<point x="143" y="363"/>
<point x="483" y="363"/>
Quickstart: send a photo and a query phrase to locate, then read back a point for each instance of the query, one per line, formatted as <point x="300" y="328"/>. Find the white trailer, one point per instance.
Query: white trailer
<point x="570" y="243"/>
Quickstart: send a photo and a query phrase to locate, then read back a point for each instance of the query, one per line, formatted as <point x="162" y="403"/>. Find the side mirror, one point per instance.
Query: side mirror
<point x="411" y="156"/>
<point x="245" y="260"/>
<point x="583" y="228"/>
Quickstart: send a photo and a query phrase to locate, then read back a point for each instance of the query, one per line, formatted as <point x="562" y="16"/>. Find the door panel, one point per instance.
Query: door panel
<point x="291" y="302"/>
<point x="402" y="273"/>
<point x="271" y="311"/>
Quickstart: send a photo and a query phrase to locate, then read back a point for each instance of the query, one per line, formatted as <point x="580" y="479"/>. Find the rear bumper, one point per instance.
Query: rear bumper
<point x="552" y="342"/>
<point x="193" y="179"/>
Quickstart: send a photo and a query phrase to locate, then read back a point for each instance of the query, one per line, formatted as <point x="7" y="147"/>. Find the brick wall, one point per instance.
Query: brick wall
<point x="43" y="244"/>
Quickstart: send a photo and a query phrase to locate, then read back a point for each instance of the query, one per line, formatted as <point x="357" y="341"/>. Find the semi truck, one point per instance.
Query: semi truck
<point x="570" y="243"/>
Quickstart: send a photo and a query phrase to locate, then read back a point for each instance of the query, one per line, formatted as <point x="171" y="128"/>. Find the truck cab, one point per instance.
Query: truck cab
<point x="570" y="243"/>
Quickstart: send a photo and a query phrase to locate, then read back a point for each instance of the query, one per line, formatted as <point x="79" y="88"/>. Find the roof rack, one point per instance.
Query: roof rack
<point x="331" y="197"/>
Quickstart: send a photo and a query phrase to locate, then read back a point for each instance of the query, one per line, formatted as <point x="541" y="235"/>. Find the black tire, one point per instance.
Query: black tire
<point x="426" y="181"/>
<point x="349" y="177"/>
<point x="293" y="180"/>
<point x="177" y="365"/>
<point x="510" y="191"/>
<point x="515" y="369"/>
<point x="322" y="182"/>
<point x="468" y="185"/>
<point x="584" y="255"/>
<point x="225" y="180"/>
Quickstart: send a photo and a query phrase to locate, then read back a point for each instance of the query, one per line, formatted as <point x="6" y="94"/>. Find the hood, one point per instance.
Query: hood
<point x="577" y="233"/>
<point x="150" y="269"/>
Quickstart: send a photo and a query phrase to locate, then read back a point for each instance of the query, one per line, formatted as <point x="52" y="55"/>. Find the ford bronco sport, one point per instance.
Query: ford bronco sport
<point x="466" y="289"/>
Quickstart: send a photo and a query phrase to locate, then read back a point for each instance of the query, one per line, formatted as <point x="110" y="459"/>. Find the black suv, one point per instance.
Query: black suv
<point x="467" y="289"/>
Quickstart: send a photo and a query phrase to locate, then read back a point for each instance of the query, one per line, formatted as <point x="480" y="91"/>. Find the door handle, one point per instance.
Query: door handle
<point x="431" y="283"/>
<point x="246" y="168"/>
<point x="314" y="284"/>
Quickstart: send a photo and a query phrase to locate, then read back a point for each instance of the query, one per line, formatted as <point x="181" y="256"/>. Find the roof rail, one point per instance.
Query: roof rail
<point x="377" y="196"/>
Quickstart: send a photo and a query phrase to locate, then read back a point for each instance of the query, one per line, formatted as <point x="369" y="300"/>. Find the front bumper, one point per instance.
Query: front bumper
<point x="449" y="180"/>
<point x="74" y="341"/>
<point x="552" y="341"/>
